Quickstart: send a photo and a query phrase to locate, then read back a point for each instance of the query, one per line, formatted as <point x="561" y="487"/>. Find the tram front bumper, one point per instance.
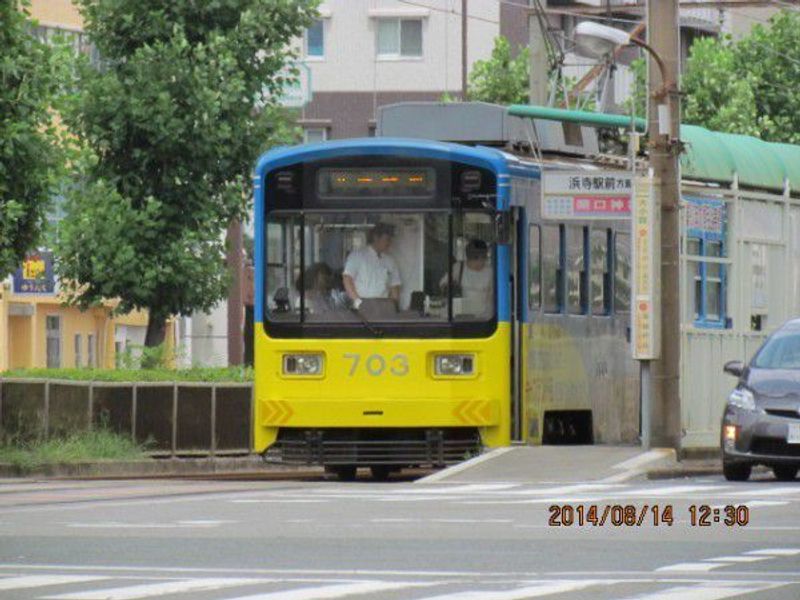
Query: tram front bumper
<point x="387" y="412"/>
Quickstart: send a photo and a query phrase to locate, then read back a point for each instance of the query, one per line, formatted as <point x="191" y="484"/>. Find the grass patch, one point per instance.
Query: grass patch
<point x="99" y="444"/>
<point x="226" y="374"/>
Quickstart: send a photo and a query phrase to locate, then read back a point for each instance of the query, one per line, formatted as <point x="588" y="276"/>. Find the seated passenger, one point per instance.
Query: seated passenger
<point x="320" y="289"/>
<point x="472" y="278"/>
<point x="371" y="272"/>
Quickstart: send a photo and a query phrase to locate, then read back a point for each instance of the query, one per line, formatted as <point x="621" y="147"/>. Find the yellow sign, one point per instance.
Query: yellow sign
<point x="646" y="309"/>
<point x="33" y="268"/>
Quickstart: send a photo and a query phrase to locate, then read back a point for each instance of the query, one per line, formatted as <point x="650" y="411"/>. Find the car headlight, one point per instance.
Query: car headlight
<point x="454" y="364"/>
<point x="302" y="364"/>
<point x="742" y="398"/>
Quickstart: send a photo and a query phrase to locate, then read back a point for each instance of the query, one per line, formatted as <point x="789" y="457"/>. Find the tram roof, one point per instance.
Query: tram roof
<point x="475" y="155"/>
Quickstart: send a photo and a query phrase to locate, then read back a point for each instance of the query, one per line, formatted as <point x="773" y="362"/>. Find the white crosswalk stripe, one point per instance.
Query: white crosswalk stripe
<point x="32" y="581"/>
<point x="149" y="590"/>
<point x="331" y="591"/>
<point x="706" y="591"/>
<point x="532" y="591"/>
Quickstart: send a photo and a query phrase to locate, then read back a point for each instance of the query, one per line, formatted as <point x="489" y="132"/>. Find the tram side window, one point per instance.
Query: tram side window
<point x="283" y="267"/>
<point x="576" y="270"/>
<point x="622" y="272"/>
<point x="601" y="272"/>
<point x="552" y="273"/>
<point x="534" y="268"/>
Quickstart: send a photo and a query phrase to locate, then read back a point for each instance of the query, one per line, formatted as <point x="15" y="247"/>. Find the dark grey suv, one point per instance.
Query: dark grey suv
<point x="761" y="424"/>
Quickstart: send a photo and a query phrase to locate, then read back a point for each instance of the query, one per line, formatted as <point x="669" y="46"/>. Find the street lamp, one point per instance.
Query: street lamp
<point x="594" y="40"/>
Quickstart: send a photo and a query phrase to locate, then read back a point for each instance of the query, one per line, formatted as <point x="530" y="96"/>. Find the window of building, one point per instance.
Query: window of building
<point x="315" y="39"/>
<point x="53" y="341"/>
<point x="78" y="350"/>
<point x="534" y="268"/>
<point x="90" y="351"/>
<point x="600" y="240"/>
<point x="315" y="134"/>
<point x="552" y="270"/>
<point x="707" y="282"/>
<point x="705" y="266"/>
<point x="399" y="38"/>
<point x="622" y="272"/>
<point x="576" y="269"/>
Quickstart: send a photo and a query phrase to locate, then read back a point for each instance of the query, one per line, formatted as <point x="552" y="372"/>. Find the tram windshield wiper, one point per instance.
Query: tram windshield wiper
<point x="376" y="331"/>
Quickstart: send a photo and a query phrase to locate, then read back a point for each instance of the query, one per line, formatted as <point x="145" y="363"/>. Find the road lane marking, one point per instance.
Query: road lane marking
<point x="691" y="567"/>
<point x="30" y="581"/>
<point x="149" y="590"/>
<point x="764" y="491"/>
<point x="540" y="589"/>
<point x="776" y="551"/>
<point x="467" y="464"/>
<point x="332" y="591"/>
<point x="737" y="559"/>
<point x="706" y="591"/>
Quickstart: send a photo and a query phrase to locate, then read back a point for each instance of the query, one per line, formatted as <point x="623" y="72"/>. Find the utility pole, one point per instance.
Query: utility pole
<point x="235" y="294"/>
<point x="662" y="418"/>
<point x="538" y="52"/>
<point x="463" y="50"/>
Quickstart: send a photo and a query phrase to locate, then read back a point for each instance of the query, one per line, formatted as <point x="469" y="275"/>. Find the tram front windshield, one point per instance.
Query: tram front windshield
<point x="364" y="267"/>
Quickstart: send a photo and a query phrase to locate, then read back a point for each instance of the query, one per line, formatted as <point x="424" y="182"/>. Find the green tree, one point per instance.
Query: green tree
<point x="747" y="86"/>
<point x="29" y="148"/>
<point x="501" y="79"/>
<point x="719" y="95"/>
<point x="171" y="121"/>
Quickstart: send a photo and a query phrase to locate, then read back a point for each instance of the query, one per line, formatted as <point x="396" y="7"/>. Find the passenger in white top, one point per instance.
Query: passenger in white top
<point x="473" y="278"/>
<point x="371" y="272"/>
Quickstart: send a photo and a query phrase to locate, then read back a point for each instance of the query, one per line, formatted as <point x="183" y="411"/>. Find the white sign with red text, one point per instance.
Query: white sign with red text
<point x="586" y="195"/>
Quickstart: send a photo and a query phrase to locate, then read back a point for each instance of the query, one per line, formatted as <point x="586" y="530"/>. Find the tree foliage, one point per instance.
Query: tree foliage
<point x="171" y="120"/>
<point x="29" y="148"/>
<point x="747" y="86"/>
<point x="502" y="78"/>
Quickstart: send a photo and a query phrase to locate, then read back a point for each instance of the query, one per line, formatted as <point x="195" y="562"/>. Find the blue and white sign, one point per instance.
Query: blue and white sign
<point x="36" y="275"/>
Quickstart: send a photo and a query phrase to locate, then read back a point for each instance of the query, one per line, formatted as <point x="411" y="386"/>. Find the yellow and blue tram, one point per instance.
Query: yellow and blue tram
<point x="453" y="353"/>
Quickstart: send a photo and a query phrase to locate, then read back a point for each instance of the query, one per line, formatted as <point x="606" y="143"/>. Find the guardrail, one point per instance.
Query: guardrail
<point x="171" y="418"/>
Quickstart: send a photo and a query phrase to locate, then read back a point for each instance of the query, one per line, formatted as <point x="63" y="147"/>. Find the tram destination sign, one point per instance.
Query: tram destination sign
<point x="586" y="195"/>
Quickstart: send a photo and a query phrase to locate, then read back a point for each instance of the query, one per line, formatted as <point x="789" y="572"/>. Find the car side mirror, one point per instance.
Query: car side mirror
<point x="734" y="367"/>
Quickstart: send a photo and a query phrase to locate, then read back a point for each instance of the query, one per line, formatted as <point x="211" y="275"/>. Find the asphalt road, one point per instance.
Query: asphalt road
<point x="464" y="540"/>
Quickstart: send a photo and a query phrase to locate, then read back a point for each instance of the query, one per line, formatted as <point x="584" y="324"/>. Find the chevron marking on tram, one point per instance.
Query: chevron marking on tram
<point x="473" y="412"/>
<point x="276" y="412"/>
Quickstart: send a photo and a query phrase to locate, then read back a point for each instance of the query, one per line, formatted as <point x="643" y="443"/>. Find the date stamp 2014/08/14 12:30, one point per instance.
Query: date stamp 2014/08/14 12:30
<point x="629" y="515"/>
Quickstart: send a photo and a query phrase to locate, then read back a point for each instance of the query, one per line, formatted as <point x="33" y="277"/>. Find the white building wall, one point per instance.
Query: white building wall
<point x="351" y="63"/>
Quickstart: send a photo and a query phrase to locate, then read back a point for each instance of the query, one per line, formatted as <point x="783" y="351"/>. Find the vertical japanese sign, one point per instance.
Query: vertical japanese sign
<point x="646" y="309"/>
<point x="36" y="275"/>
<point x="586" y="194"/>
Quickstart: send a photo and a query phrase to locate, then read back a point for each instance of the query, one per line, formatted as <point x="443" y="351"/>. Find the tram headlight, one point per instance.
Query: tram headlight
<point x="302" y="364"/>
<point x="454" y="364"/>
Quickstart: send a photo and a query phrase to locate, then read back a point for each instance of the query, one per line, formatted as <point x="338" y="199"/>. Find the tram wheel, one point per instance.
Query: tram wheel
<point x="381" y="472"/>
<point x="343" y="472"/>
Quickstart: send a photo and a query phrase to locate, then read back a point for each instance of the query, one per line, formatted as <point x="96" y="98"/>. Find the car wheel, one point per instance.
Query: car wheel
<point x="736" y="471"/>
<point x="784" y="472"/>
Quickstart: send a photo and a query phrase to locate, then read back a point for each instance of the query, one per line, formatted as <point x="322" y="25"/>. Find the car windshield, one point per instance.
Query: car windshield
<point x="365" y="267"/>
<point x="782" y="351"/>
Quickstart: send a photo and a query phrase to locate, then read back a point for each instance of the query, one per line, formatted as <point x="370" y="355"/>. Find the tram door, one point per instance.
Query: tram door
<point x="517" y="274"/>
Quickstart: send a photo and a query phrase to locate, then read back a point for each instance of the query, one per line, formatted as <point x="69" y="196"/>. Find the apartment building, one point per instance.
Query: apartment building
<point x="362" y="54"/>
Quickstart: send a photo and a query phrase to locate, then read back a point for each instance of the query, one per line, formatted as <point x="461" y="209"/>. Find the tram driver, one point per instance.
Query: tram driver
<point x="371" y="273"/>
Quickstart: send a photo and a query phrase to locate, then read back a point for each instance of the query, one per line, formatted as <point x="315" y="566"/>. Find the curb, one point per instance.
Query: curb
<point x="684" y="471"/>
<point x="159" y="468"/>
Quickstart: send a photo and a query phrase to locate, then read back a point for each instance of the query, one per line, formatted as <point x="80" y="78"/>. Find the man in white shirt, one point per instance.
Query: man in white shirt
<point x="371" y="272"/>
